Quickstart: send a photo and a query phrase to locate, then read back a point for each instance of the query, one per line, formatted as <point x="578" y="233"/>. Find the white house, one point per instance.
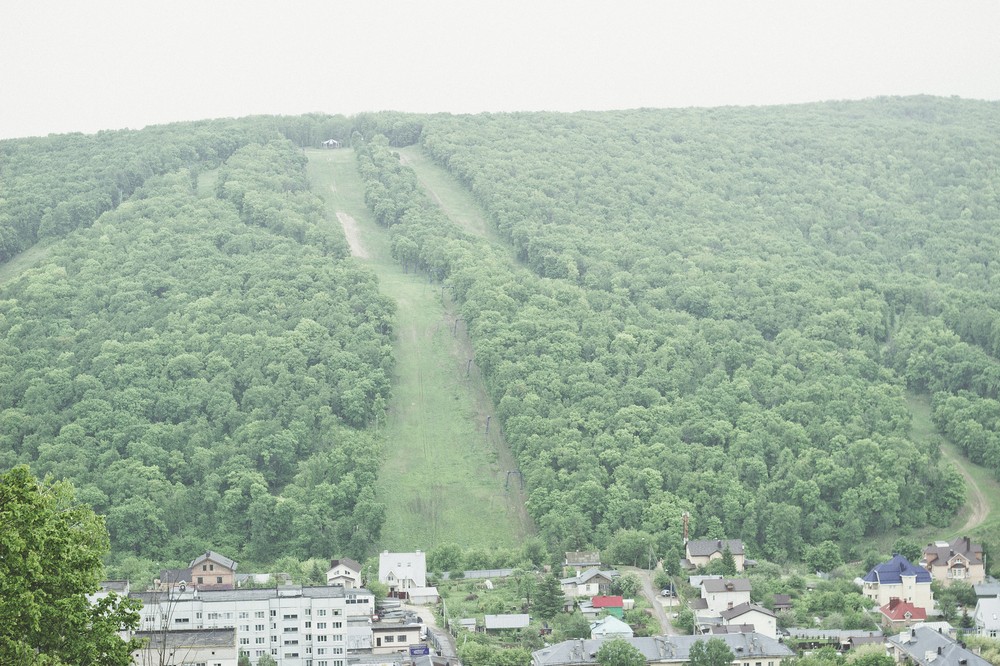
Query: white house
<point x="763" y="620"/>
<point x="987" y="618"/>
<point x="724" y="593"/>
<point x="297" y="626"/>
<point x="345" y="572"/>
<point x="402" y="571"/>
<point x="610" y="627"/>
<point x="899" y="578"/>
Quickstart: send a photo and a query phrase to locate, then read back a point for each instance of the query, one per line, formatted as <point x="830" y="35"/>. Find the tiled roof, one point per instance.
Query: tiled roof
<point x="742" y="609"/>
<point x="925" y="646"/>
<point x="897" y="610"/>
<point x="726" y="585"/>
<point x="607" y="602"/>
<point x="215" y="557"/>
<point x="891" y="572"/>
<point x="347" y="562"/>
<point x="705" y="547"/>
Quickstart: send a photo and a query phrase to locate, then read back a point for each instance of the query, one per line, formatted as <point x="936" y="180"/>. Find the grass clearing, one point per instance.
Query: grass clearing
<point x="442" y="479"/>
<point x="33" y="256"/>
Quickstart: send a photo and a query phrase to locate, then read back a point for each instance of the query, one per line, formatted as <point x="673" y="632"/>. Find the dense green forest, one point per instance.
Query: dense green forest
<point x="712" y="311"/>
<point x="203" y="366"/>
<point x="718" y="311"/>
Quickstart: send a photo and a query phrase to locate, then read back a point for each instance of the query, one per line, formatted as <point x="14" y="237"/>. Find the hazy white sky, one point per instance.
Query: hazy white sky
<point x="85" y="65"/>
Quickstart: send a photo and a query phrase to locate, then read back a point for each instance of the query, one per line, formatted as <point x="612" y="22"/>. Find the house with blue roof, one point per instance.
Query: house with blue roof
<point x="899" y="579"/>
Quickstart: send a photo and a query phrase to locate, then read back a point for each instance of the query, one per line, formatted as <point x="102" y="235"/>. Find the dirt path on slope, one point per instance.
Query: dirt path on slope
<point x="977" y="499"/>
<point x="353" y="235"/>
<point x="649" y="592"/>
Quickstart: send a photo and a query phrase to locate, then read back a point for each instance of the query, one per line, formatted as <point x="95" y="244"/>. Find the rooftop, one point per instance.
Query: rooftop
<point x="892" y="572"/>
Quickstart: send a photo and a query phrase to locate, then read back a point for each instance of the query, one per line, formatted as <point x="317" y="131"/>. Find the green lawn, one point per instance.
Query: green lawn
<point x="443" y="479"/>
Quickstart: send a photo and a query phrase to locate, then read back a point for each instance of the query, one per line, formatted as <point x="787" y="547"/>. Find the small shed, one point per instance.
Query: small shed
<point x="422" y="596"/>
<point x="331" y="143"/>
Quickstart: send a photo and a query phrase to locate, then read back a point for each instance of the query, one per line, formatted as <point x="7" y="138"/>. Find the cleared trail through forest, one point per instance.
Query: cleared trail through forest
<point x="443" y="479"/>
<point x="982" y="489"/>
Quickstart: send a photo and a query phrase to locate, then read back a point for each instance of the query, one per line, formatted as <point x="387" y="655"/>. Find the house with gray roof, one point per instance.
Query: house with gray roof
<point x="699" y="552"/>
<point x="961" y="560"/>
<point x="213" y="571"/>
<point x="747" y="649"/>
<point x="344" y="572"/>
<point x="723" y="593"/>
<point x="610" y="627"/>
<point x="763" y="620"/>
<point x="925" y="647"/>
<point x="589" y="583"/>
<point x="987" y="618"/>
<point x="402" y="571"/>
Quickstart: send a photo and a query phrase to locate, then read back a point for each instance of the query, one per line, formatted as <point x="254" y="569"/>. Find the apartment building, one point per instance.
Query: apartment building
<point x="296" y="626"/>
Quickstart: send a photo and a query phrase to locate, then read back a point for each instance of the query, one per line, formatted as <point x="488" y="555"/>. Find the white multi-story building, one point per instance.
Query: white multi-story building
<point x="297" y="626"/>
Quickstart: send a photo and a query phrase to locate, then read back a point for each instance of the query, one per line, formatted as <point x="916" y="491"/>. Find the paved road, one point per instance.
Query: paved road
<point x="650" y="592"/>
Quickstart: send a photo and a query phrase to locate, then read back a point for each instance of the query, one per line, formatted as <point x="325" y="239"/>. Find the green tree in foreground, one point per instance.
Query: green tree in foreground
<point x="267" y="660"/>
<point x="713" y="652"/>
<point x="548" y="597"/>
<point x="50" y="560"/>
<point x="618" y="652"/>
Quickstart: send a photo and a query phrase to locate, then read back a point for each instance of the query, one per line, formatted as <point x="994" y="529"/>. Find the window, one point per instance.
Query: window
<point x="258" y="614"/>
<point x="308" y="625"/>
<point x="274" y="613"/>
<point x="181" y="620"/>
<point x="211" y="567"/>
<point x="244" y="627"/>
<point x="291" y="616"/>
<point x="213" y="616"/>
<point x="321" y="625"/>
<point x="291" y="630"/>
<point x="244" y="641"/>
<point x="244" y="615"/>
<point x="218" y="579"/>
<point x="259" y="640"/>
<point x="401" y="638"/>
<point x="390" y="639"/>
<point x="336" y="625"/>
<point x="321" y="638"/>
<point x="292" y="641"/>
<point x="200" y="580"/>
<point x="337" y="637"/>
<point x="204" y="567"/>
<point x="321" y="612"/>
<point x="320" y="650"/>
<point x="258" y="627"/>
<point x="337" y="651"/>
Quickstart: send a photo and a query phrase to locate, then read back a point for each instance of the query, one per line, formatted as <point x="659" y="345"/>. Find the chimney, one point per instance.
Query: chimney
<point x="939" y="650"/>
<point x="720" y="543"/>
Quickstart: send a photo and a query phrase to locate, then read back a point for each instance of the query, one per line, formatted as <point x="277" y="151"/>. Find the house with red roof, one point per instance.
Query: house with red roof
<point x="612" y="605"/>
<point x="899" y="613"/>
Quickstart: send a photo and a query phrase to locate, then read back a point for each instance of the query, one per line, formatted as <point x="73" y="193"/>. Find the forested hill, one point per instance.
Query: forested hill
<point x="724" y="308"/>
<point x="192" y="347"/>
<point x="713" y="311"/>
